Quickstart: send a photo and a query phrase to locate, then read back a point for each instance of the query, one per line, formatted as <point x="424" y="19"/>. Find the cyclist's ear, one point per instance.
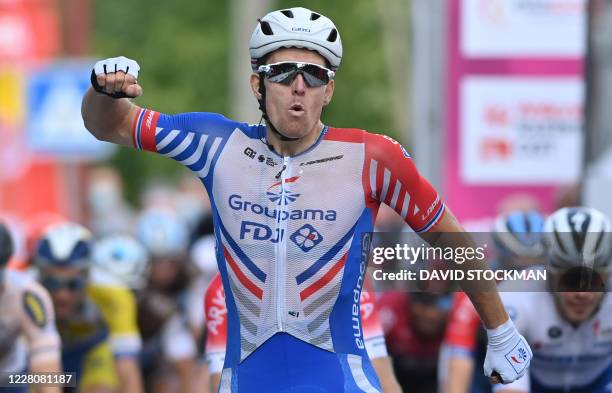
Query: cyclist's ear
<point x="329" y="92"/>
<point x="255" y="85"/>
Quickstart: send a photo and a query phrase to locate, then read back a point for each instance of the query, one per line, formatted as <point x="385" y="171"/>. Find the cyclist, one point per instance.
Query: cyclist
<point x="517" y="237"/>
<point x="216" y="335"/>
<point x="291" y="200"/>
<point x="100" y="339"/>
<point x="567" y="318"/>
<point x="169" y="355"/>
<point x="28" y="338"/>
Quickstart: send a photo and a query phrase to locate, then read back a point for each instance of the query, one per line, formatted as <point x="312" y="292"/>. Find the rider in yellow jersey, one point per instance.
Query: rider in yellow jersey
<point x="96" y="321"/>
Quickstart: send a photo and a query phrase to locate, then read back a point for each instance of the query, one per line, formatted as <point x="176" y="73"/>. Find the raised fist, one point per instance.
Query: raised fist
<point x="116" y="77"/>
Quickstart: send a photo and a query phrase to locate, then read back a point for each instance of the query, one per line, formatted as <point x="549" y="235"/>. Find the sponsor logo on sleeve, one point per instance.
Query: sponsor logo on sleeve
<point x="34" y="308"/>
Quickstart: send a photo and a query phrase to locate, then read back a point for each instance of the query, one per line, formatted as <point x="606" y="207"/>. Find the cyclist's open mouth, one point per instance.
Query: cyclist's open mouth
<point x="296" y="109"/>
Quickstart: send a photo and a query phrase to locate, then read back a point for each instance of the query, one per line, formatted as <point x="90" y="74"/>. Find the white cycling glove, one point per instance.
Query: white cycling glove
<point x="110" y="65"/>
<point x="508" y="354"/>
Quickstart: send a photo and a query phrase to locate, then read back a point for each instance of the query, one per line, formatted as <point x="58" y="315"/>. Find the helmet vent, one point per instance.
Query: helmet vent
<point x="265" y="28"/>
<point x="314" y="16"/>
<point x="333" y="35"/>
<point x="287" y="13"/>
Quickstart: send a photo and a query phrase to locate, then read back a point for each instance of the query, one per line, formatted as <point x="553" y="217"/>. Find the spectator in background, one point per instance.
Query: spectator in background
<point x="109" y="214"/>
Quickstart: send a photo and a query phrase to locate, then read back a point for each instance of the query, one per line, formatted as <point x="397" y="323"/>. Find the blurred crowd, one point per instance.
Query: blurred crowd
<point x="124" y="291"/>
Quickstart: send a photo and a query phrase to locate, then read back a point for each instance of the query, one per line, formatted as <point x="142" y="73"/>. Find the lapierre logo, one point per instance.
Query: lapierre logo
<point x="149" y="119"/>
<point x="431" y="208"/>
<point x="322" y="160"/>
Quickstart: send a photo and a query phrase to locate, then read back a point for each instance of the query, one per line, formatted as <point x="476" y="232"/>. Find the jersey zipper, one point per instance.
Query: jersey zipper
<point x="281" y="249"/>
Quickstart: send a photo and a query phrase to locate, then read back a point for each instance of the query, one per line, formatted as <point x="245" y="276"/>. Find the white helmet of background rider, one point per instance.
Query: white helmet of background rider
<point x="162" y="233"/>
<point x="120" y="259"/>
<point x="578" y="237"/>
<point x="296" y="28"/>
<point x="65" y="244"/>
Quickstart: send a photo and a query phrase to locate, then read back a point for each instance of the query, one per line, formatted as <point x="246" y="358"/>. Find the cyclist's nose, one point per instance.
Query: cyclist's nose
<point x="299" y="84"/>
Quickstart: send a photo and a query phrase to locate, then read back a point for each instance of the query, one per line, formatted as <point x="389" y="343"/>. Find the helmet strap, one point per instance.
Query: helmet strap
<point x="262" y="108"/>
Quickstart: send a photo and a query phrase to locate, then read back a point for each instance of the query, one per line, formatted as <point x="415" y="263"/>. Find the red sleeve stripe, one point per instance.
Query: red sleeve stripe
<point x="136" y="129"/>
<point x="149" y="130"/>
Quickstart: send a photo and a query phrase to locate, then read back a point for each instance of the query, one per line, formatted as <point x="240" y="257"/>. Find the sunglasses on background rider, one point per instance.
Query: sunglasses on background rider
<point x="55" y="284"/>
<point x="581" y="279"/>
<point x="286" y="71"/>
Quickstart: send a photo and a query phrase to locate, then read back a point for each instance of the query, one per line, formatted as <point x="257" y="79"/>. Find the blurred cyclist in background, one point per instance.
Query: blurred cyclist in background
<point x="517" y="237"/>
<point x="373" y="335"/>
<point x="567" y="318"/>
<point x="29" y="341"/>
<point x="414" y="324"/>
<point x="100" y="340"/>
<point x="169" y="352"/>
<point x="291" y="200"/>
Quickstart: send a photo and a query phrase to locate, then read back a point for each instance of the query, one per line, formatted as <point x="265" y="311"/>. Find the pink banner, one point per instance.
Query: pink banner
<point x="511" y="116"/>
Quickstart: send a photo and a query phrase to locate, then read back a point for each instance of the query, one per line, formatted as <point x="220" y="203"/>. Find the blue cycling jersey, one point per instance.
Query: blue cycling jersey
<point x="291" y="237"/>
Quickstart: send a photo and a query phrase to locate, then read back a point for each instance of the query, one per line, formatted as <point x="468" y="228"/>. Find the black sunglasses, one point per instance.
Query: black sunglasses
<point x="55" y="284"/>
<point x="286" y="71"/>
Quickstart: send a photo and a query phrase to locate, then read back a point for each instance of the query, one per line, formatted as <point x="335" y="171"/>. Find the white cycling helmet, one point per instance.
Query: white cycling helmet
<point x="296" y="28"/>
<point x="66" y="244"/>
<point x="121" y="259"/>
<point x="578" y="237"/>
<point x="162" y="233"/>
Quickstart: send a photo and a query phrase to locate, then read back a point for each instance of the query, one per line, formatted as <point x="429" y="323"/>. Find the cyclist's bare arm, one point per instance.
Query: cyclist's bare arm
<point x="384" y="370"/>
<point x="110" y="119"/>
<point x="38" y="324"/>
<point x="459" y="375"/>
<point x="486" y="299"/>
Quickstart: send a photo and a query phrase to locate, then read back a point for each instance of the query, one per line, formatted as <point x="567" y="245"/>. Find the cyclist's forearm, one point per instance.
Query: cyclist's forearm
<point x="108" y="119"/>
<point x="49" y="365"/>
<point x="130" y="378"/>
<point x="482" y="292"/>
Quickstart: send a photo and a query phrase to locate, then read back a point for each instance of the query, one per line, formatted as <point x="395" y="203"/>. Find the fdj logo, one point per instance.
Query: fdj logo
<point x="257" y="231"/>
<point x="306" y="237"/>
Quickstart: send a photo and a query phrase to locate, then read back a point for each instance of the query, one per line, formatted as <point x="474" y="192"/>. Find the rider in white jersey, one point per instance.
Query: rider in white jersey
<point x="293" y="203"/>
<point x="29" y="341"/>
<point x="566" y="322"/>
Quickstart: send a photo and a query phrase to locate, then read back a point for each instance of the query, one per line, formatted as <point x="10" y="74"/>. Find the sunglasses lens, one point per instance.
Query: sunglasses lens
<point x="74" y="284"/>
<point x="315" y="76"/>
<point x="55" y="284"/>
<point x="285" y="73"/>
<point x="282" y="73"/>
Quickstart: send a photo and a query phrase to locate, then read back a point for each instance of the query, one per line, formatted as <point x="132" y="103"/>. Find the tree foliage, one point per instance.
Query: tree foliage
<point x="183" y="50"/>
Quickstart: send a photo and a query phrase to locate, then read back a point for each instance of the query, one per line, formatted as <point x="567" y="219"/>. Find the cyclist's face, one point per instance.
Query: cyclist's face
<point x="66" y="287"/>
<point x="296" y="108"/>
<point x="577" y="307"/>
